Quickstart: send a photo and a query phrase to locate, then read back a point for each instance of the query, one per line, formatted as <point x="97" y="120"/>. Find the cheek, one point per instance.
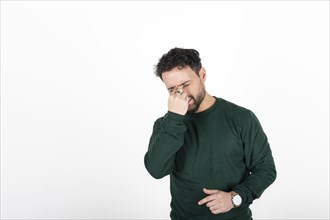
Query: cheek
<point x="187" y="91"/>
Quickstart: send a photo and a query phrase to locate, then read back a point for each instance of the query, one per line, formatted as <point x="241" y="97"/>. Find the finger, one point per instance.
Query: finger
<point x="179" y="91"/>
<point x="186" y="98"/>
<point x="184" y="95"/>
<point x="212" y="203"/>
<point x="210" y="191"/>
<point x="206" y="200"/>
<point x="213" y="208"/>
<point x="216" y="211"/>
<point x="174" y="91"/>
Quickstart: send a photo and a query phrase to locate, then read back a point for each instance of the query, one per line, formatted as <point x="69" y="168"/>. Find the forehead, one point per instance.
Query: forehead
<point x="178" y="76"/>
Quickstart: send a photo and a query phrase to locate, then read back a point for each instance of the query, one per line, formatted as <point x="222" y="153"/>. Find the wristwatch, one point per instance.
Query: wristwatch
<point x="236" y="199"/>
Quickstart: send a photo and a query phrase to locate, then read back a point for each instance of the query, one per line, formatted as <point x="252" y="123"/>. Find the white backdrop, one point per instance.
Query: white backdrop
<point x="79" y="98"/>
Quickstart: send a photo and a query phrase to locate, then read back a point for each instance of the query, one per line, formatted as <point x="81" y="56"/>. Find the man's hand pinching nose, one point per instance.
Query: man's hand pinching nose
<point x="178" y="102"/>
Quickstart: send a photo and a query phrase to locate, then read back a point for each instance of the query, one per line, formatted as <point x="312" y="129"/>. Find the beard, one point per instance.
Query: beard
<point x="197" y="101"/>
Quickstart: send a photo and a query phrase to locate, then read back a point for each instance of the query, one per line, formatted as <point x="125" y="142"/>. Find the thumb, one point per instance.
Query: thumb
<point x="210" y="191"/>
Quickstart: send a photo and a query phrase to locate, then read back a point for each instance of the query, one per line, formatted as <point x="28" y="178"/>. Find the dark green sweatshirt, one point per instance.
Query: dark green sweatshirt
<point x="223" y="147"/>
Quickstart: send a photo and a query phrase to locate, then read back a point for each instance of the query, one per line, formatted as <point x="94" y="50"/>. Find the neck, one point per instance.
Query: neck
<point x="207" y="102"/>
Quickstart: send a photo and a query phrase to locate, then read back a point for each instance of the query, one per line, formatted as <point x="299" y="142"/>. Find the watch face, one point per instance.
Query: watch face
<point x="237" y="200"/>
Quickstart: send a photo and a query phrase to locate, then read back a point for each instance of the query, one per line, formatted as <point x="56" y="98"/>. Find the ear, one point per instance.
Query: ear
<point x="202" y="74"/>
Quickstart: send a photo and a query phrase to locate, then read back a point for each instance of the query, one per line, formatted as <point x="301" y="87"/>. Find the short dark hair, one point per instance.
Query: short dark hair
<point x="178" y="57"/>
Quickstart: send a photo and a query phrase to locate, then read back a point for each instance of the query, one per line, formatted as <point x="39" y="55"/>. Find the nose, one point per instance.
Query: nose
<point x="180" y="87"/>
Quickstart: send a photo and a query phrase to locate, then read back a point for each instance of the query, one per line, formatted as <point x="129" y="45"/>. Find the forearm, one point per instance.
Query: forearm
<point x="257" y="180"/>
<point x="259" y="161"/>
<point x="166" y="140"/>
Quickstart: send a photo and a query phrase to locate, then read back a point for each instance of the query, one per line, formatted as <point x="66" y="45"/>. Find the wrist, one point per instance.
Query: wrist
<point x="236" y="199"/>
<point x="177" y="111"/>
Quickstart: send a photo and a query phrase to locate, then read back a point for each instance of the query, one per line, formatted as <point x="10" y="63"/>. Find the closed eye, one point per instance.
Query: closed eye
<point x="185" y="84"/>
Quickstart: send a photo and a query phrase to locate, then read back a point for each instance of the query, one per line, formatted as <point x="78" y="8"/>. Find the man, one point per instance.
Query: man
<point x="215" y="152"/>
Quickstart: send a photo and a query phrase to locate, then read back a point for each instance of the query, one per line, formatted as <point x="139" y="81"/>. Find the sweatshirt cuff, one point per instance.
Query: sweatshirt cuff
<point x="242" y="194"/>
<point x="174" y="116"/>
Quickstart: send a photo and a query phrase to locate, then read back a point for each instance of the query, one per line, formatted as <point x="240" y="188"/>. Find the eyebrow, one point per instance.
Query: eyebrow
<point x="172" y="87"/>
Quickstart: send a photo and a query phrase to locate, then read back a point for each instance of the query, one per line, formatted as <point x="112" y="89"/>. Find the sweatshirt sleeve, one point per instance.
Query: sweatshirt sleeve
<point x="166" y="139"/>
<point x="259" y="160"/>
